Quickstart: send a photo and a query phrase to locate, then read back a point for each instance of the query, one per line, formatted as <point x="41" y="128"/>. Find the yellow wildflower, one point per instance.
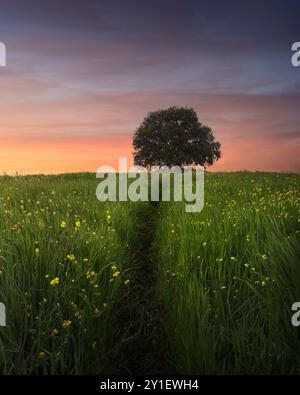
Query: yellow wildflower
<point x="90" y="274"/>
<point x="63" y="225"/>
<point x="55" y="281"/>
<point x="55" y="332"/>
<point x="108" y="218"/>
<point x="66" y="323"/>
<point x="41" y="355"/>
<point x="71" y="258"/>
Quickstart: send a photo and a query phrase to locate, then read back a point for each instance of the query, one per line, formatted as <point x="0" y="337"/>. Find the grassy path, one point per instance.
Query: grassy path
<point x="143" y="310"/>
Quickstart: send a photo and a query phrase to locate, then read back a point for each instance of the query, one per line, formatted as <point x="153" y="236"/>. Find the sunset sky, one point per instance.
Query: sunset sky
<point x="82" y="75"/>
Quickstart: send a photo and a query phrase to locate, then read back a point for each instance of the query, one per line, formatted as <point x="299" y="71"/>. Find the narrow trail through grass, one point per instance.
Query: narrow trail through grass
<point x="143" y="311"/>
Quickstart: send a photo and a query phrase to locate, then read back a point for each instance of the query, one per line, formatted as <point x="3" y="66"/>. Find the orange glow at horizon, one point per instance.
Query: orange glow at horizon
<point x="56" y="156"/>
<point x="62" y="155"/>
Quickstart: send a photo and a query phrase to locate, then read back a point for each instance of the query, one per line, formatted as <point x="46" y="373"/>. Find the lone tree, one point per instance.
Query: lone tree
<point x="174" y="137"/>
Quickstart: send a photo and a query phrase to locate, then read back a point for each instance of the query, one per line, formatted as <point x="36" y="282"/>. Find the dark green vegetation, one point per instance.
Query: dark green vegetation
<point x="174" y="137"/>
<point x="146" y="288"/>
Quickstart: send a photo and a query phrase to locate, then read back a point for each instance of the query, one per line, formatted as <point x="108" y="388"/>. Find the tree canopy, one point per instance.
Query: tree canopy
<point x="174" y="137"/>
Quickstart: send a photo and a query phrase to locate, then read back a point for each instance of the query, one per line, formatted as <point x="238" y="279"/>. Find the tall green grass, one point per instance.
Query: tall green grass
<point x="81" y="295"/>
<point x="63" y="269"/>
<point x="230" y="274"/>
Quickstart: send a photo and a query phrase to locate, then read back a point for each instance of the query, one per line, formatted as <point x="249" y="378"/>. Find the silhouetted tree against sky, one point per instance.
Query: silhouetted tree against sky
<point x="174" y="137"/>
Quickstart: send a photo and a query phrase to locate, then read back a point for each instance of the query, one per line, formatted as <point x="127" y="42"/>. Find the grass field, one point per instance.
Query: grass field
<point x="108" y="288"/>
<point x="230" y="274"/>
<point x="63" y="267"/>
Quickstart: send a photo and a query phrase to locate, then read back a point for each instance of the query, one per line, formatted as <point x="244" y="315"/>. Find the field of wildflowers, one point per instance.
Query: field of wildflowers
<point x="230" y="274"/>
<point x="63" y="268"/>
<point x="82" y="296"/>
